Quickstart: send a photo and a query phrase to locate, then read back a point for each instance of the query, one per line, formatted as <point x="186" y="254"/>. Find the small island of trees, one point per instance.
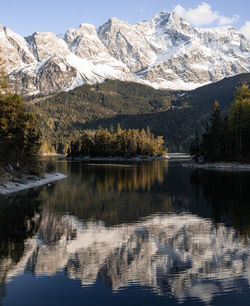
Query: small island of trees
<point x="227" y="138"/>
<point x="120" y="143"/>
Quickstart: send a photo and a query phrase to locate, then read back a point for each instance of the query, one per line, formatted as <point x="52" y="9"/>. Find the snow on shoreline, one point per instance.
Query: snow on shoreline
<point x="223" y="166"/>
<point x="30" y="182"/>
<point x="179" y="156"/>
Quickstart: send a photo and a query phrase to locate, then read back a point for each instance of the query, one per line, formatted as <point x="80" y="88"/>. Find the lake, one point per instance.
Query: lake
<point x="128" y="234"/>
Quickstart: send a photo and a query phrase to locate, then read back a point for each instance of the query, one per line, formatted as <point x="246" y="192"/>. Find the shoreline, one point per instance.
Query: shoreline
<point x="221" y="166"/>
<point x="179" y="156"/>
<point x="117" y="159"/>
<point x="29" y="182"/>
<point x="53" y="154"/>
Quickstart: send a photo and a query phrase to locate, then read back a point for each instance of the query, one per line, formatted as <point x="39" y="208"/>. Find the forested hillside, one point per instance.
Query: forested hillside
<point x="175" y="115"/>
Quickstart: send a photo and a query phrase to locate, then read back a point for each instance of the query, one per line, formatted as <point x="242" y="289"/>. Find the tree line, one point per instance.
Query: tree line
<point x="20" y="136"/>
<point x="122" y="142"/>
<point x="63" y="116"/>
<point x="227" y="138"/>
<point x="175" y="115"/>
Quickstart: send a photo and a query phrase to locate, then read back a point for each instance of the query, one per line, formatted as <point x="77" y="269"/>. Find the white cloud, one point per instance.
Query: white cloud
<point x="225" y="20"/>
<point x="204" y="15"/>
<point x="198" y="16"/>
<point x="246" y="29"/>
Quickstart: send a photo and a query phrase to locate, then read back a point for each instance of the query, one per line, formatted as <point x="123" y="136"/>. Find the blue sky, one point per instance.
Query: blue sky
<point x="28" y="16"/>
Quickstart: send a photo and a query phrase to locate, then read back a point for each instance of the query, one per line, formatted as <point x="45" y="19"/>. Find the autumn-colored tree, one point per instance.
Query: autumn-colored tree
<point x="128" y="143"/>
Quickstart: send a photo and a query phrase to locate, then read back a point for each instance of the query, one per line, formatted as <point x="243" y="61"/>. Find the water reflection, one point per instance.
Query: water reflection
<point x="173" y="254"/>
<point x="185" y="234"/>
<point x="19" y="222"/>
<point x="111" y="193"/>
<point x="228" y="194"/>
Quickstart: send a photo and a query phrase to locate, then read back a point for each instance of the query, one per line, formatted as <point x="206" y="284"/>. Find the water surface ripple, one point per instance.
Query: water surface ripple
<point x="150" y="234"/>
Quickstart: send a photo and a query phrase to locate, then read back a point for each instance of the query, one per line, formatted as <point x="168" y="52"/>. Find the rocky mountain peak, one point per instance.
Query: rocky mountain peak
<point x="167" y="17"/>
<point x="14" y="49"/>
<point x="45" y="45"/>
<point x="87" y="28"/>
<point x="85" y="43"/>
<point x="113" y="21"/>
<point x="113" y="25"/>
<point x="171" y="21"/>
<point x="164" y="52"/>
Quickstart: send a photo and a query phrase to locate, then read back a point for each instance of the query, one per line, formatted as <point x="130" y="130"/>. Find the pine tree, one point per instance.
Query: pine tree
<point x="195" y="147"/>
<point x="239" y="122"/>
<point x="227" y="138"/>
<point x="212" y="139"/>
<point x="127" y="143"/>
<point x="19" y="132"/>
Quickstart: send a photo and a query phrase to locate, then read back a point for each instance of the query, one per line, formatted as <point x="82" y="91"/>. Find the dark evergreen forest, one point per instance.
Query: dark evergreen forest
<point x="20" y="135"/>
<point x="175" y="115"/>
<point x="227" y="137"/>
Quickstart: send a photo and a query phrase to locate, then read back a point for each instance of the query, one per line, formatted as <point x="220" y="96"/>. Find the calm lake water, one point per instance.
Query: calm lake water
<point x="128" y="234"/>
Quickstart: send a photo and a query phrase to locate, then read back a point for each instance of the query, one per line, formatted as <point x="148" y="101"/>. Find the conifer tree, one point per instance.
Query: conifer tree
<point x="214" y="135"/>
<point x="128" y="143"/>
<point x="195" y="147"/>
<point x="19" y="132"/>
<point x="239" y="122"/>
<point x="227" y="138"/>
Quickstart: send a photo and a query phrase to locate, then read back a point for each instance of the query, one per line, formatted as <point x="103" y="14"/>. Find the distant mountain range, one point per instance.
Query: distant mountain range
<point x="164" y="52"/>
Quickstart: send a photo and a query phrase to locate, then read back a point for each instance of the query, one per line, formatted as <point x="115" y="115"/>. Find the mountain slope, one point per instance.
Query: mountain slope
<point x="164" y="52"/>
<point x="176" y="115"/>
<point x="167" y="52"/>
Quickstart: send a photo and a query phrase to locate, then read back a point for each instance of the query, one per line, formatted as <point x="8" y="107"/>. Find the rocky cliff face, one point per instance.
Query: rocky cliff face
<point x="164" y="52"/>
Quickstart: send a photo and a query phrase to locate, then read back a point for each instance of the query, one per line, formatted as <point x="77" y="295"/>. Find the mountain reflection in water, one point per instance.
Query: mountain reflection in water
<point x="153" y="225"/>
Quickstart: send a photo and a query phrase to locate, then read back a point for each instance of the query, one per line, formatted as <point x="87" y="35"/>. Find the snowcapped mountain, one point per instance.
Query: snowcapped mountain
<point x="164" y="52"/>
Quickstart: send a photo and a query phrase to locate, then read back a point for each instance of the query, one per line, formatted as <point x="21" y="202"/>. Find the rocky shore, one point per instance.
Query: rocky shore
<point x="225" y="166"/>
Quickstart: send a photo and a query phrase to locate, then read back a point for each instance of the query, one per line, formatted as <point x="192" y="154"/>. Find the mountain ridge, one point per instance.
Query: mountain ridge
<point x="163" y="52"/>
<point x="175" y="115"/>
